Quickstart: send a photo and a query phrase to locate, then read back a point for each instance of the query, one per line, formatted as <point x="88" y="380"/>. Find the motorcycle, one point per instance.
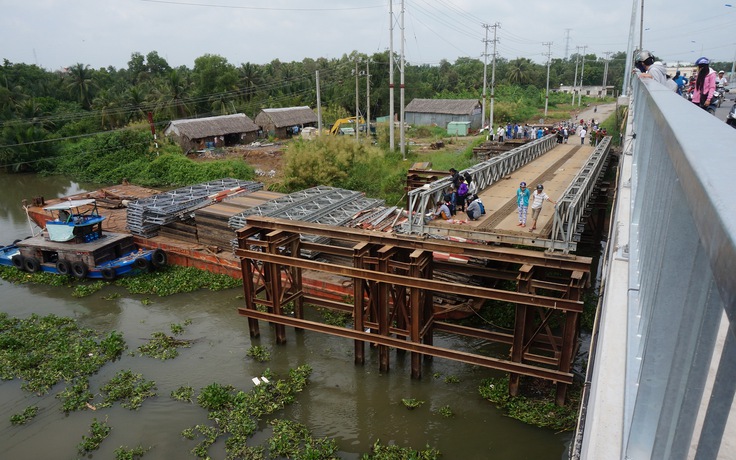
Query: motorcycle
<point x="715" y="102"/>
<point x="720" y="94"/>
<point x="731" y="118"/>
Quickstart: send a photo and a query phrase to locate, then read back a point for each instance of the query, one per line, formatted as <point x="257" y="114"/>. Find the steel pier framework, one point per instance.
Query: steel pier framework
<point x="392" y="295"/>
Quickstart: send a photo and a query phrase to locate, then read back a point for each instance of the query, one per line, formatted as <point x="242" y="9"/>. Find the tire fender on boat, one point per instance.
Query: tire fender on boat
<point x="142" y="264"/>
<point x="32" y="265"/>
<point x="19" y="262"/>
<point x="158" y="258"/>
<point x="64" y="267"/>
<point x="108" y="273"/>
<point x="79" y="270"/>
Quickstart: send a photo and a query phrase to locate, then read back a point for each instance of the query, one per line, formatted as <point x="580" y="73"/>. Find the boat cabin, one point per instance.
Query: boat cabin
<point x="74" y="221"/>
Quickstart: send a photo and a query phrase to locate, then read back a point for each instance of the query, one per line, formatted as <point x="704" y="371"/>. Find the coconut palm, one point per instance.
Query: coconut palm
<point x="519" y="71"/>
<point x="81" y="84"/>
<point x="173" y="95"/>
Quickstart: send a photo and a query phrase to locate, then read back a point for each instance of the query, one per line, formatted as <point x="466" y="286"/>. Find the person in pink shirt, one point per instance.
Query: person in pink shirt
<point x="705" y="83"/>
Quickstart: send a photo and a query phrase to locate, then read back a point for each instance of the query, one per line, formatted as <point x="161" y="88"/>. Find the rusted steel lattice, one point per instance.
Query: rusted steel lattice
<point x="394" y="284"/>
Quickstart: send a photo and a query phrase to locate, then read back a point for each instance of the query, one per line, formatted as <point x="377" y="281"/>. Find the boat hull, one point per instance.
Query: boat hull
<point x="109" y="258"/>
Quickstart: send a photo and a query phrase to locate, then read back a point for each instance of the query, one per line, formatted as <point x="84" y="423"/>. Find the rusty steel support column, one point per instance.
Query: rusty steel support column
<point x="359" y="251"/>
<point x="521" y="322"/>
<point x="570" y="333"/>
<point x="249" y="290"/>
<point x="272" y="272"/>
<point x="384" y="255"/>
<point x="297" y="285"/>
<point x="417" y="269"/>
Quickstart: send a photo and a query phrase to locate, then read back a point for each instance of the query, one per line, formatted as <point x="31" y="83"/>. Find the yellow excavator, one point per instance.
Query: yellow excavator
<point x="346" y="125"/>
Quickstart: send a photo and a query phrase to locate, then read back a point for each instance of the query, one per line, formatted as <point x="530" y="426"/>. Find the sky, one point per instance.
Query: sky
<point x="54" y="34"/>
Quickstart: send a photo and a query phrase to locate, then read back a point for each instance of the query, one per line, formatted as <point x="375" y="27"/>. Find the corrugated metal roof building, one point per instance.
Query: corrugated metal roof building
<point x="199" y="133"/>
<point x="440" y="112"/>
<point x="281" y="121"/>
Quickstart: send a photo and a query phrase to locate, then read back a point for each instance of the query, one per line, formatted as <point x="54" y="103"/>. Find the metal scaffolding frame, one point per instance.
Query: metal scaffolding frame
<point x="484" y="174"/>
<point x="393" y="286"/>
<point x="573" y="208"/>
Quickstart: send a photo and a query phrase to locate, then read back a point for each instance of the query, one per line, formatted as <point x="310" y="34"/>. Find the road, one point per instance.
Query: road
<point x="722" y="112"/>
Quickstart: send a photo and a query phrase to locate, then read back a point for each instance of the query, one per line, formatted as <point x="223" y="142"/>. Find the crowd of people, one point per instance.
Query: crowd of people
<point x="458" y="198"/>
<point x="699" y="88"/>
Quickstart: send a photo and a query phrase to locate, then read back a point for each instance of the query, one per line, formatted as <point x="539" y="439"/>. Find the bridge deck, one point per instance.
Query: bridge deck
<point x="555" y="169"/>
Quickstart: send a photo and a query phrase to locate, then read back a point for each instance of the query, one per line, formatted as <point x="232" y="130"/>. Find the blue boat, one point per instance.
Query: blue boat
<point x="73" y="243"/>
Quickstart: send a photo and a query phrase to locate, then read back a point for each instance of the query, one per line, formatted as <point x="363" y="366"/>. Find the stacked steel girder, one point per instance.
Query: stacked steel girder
<point x="322" y="204"/>
<point x="145" y="217"/>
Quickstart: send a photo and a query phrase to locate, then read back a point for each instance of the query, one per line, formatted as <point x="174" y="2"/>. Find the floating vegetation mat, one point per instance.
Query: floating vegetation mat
<point x="169" y="280"/>
<point x="44" y="351"/>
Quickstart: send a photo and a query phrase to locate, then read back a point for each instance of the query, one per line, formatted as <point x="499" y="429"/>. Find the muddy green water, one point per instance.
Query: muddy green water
<point x="353" y="404"/>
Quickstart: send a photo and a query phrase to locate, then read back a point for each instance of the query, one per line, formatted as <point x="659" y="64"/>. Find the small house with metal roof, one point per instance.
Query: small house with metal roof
<point x="286" y="121"/>
<point x="440" y="112"/>
<point x="221" y="131"/>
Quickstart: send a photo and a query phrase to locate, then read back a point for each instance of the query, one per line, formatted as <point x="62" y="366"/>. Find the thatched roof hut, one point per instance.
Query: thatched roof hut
<point x="279" y="122"/>
<point x="440" y="112"/>
<point x="199" y="133"/>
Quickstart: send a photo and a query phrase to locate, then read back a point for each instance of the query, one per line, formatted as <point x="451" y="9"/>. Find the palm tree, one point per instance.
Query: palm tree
<point x="106" y="104"/>
<point x="519" y="71"/>
<point x="81" y="84"/>
<point x="135" y="99"/>
<point x="173" y="94"/>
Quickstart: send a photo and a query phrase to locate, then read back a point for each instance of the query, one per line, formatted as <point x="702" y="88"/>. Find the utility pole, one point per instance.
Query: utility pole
<point x="401" y="97"/>
<point x="546" y="96"/>
<point x="319" y="105"/>
<point x="641" y="27"/>
<point x="392" y="142"/>
<point x="493" y="72"/>
<point x="485" y="78"/>
<point x="575" y="81"/>
<point x="357" y="111"/>
<point x="567" y="42"/>
<point x="605" y="70"/>
<point x="582" y="72"/>
<point x="367" y="99"/>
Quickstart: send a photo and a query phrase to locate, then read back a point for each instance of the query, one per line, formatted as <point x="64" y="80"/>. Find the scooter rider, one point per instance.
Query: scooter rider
<point x="705" y="83"/>
<point x="721" y="81"/>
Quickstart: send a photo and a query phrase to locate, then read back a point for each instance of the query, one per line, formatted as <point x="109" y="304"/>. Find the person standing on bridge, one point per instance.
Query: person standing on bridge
<point x="522" y="203"/>
<point x="649" y="68"/>
<point x="538" y="198"/>
<point x="705" y="83"/>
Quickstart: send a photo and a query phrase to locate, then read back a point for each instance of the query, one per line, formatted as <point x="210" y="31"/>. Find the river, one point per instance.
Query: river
<point x="355" y="405"/>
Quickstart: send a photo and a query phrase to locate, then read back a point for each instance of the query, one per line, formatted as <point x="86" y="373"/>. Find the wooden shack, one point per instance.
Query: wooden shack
<point x="287" y="121"/>
<point x="221" y="131"/>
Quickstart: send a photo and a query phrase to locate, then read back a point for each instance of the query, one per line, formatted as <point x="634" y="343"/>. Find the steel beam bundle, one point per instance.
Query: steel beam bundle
<point x="484" y="174"/>
<point x="572" y="208"/>
<point x="146" y="216"/>
<point x="322" y="204"/>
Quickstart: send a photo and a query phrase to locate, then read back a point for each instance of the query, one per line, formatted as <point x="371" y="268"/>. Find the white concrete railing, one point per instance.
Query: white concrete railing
<point x="662" y="370"/>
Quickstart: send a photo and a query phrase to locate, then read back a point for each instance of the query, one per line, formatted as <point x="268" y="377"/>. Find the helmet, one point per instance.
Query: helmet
<point x="540" y="187"/>
<point x="642" y="56"/>
<point x="523" y="184"/>
<point x="720" y="72"/>
<point x="702" y="61"/>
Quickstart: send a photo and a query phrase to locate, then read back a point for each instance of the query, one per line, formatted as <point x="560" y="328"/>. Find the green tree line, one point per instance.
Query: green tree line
<point x="42" y="112"/>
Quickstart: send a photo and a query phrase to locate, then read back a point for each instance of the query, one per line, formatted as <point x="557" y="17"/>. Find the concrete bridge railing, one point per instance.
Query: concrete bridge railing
<point x="662" y="370"/>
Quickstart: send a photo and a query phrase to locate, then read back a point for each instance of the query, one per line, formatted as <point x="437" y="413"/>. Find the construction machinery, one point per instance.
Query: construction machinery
<point x="346" y="125"/>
